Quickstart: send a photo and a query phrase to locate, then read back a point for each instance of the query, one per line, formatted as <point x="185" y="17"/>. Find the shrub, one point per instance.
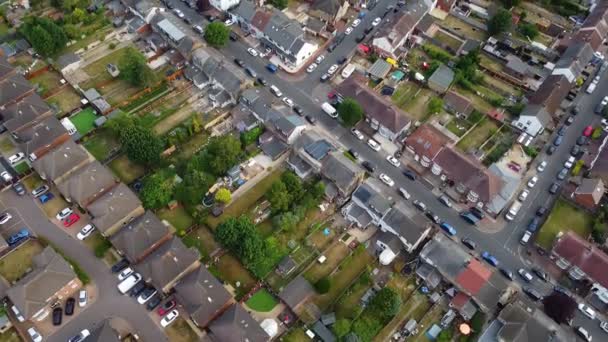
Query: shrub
<point x="112" y="46"/>
<point x="323" y="285"/>
<point x="102" y="247"/>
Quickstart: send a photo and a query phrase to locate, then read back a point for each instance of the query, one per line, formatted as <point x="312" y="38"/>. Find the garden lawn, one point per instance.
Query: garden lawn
<point x="335" y="254"/>
<point x="10" y="335"/>
<point x="230" y="270"/>
<point x="14" y="265"/>
<point x="203" y="240"/>
<point x="125" y="169"/>
<point x="21" y="168"/>
<point x="431" y="317"/>
<point x="478" y="135"/>
<point x="180" y="331"/>
<point x="452" y="42"/>
<point x="349" y="305"/>
<point x="413" y="308"/>
<point x="463" y="28"/>
<point x="66" y="100"/>
<point x="262" y="301"/>
<point x="84" y="121"/>
<point x="564" y="217"/>
<point x="296" y="335"/>
<point x="6" y="145"/>
<point x="178" y="217"/>
<point x="102" y="144"/>
<point x="97" y="70"/>
<point x="458" y="126"/>
<point x="47" y="81"/>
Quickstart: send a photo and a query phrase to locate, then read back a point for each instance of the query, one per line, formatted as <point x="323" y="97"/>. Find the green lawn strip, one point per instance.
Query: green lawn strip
<point x="14" y="265"/>
<point x="431" y="317"/>
<point x="146" y="98"/>
<point x="66" y="100"/>
<point x="101" y="144"/>
<point x="177" y="217"/>
<point x="46" y="81"/>
<point x="125" y="169"/>
<point x="6" y="145"/>
<point x="477" y="136"/>
<point x="21" y="168"/>
<point x="414" y="308"/>
<point x="335" y="254"/>
<point x="564" y="217"/>
<point x="10" y="335"/>
<point x="230" y="270"/>
<point x="448" y="40"/>
<point x="349" y="304"/>
<point x="296" y="335"/>
<point x="458" y="127"/>
<point x="262" y="301"/>
<point x="84" y="120"/>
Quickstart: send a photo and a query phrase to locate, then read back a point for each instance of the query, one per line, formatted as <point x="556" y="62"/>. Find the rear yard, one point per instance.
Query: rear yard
<point x="10" y="335"/>
<point x="178" y="217"/>
<point x="102" y="144"/>
<point x="180" y="331"/>
<point x="230" y="270"/>
<point x="349" y="305"/>
<point x="463" y="28"/>
<point x="448" y="40"/>
<point x="14" y="265"/>
<point x="262" y="301"/>
<point x="412" y="99"/>
<point x="46" y="81"/>
<point x="478" y="135"/>
<point x="125" y="169"/>
<point x="564" y="217"/>
<point x="335" y="254"/>
<point x="84" y="121"/>
<point x="66" y="100"/>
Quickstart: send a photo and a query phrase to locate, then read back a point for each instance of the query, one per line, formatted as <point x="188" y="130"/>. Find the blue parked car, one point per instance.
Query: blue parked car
<point x="272" y="68"/>
<point x="490" y="258"/>
<point x="448" y="229"/>
<point x="46" y="197"/>
<point x="469" y="217"/>
<point x="15" y="238"/>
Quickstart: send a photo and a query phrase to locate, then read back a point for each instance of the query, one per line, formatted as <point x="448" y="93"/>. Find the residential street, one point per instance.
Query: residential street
<point x="110" y="303"/>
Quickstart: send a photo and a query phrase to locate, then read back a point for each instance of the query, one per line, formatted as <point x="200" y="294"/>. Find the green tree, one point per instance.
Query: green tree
<point x="350" y="112"/>
<point x="294" y="186"/>
<point x="529" y="30"/>
<point x="278" y="197"/>
<point x="134" y="69"/>
<point x="385" y="304"/>
<point x="435" y="105"/>
<point x="223" y="196"/>
<point x="194" y="186"/>
<point x="342" y="327"/>
<point x="141" y="145"/>
<point x="445" y="336"/>
<point x="241" y="237"/>
<point x="280" y="4"/>
<point x="286" y="221"/>
<point x="41" y="41"/>
<point x="78" y="15"/>
<point x="510" y="3"/>
<point x="323" y="285"/>
<point x="217" y="34"/>
<point x="318" y="190"/>
<point x="220" y="154"/>
<point x="500" y="22"/>
<point x="157" y="190"/>
<point x="45" y="35"/>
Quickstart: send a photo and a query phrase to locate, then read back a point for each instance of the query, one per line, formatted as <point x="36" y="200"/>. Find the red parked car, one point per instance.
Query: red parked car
<point x="70" y="220"/>
<point x="588" y="130"/>
<point x="166" y="307"/>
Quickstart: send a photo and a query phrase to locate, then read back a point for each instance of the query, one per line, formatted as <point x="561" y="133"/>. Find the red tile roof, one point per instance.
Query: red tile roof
<point x="581" y="253"/>
<point x="427" y="141"/>
<point x="459" y="300"/>
<point x="474" y="277"/>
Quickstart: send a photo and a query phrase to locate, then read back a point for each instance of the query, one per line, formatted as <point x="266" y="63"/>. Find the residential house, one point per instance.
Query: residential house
<point x="114" y="209"/>
<point x="323" y="333"/>
<point x="202" y="296"/>
<point x="288" y="127"/>
<point x="518" y="322"/>
<point x="457" y="104"/>
<point x="533" y="120"/>
<point x="141" y="237"/>
<point x="383" y="116"/>
<point x="169" y="31"/>
<point x="24" y="113"/>
<point x="286" y="37"/>
<point x="595" y="27"/>
<point x="389" y="246"/>
<point x="225" y="82"/>
<point x="296" y="293"/>
<point x="551" y="93"/>
<point x="286" y="266"/>
<point x="516" y="67"/>
<point x="57" y="165"/>
<point x="243" y="120"/>
<point x="391" y="36"/>
<point x="236" y="324"/>
<point x="441" y="79"/>
<point x="368" y="204"/>
<point x="581" y="259"/>
<point x="308" y="154"/>
<point x="68" y="63"/>
<point x="598" y="166"/>
<point x="168" y="264"/>
<point x="589" y="193"/>
<point x="223" y="5"/>
<point x="344" y="176"/>
<point x="329" y="11"/>
<point x="36" y="140"/>
<point x="114" y="329"/>
<point x="425" y="143"/>
<point x="474" y="279"/>
<point x="244" y="14"/>
<point x="272" y="145"/>
<point x="13" y="87"/>
<point x="87" y="184"/>
<point x="52" y="278"/>
<point x="407" y="224"/>
<point x="573" y="61"/>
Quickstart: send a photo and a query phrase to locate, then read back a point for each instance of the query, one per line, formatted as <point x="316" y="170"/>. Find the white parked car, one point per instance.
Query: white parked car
<point x="6" y="176"/>
<point x="376" y="22"/>
<point x="17" y="157"/>
<point x="358" y="134"/>
<point x="569" y="162"/>
<point x="288" y="101"/>
<point x="169" y="318"/>
<point x="311" y="67"/>
<point x="64" y="213"/>
<point x="604" y="124"/>
<point x="348" y="30"/>
<point x="34" y="335"/>
<point x="178" y="13"/>
<point x="532" y="182"/>
<point x="253" y="52"/>
<point x="5" y="218"/>
<point x="604" y="326"/>
<point x="228" y="22"/>
<point x="524" y="194"/>
<point x="394" y="161"/>
<point x="83" y="297"/>
<point x="586" y="310"/>
<point x="386" y="180"/>
<point x="319" y="59"/>
<point x="356" y="22"/>
<point x="85" y="232"/>
<point x="125" y="273"/>
<point x="604" y="101"/>
<point x="541" y="166"/>
<point x="333" y="69"/>
<point x="373" y="144"/>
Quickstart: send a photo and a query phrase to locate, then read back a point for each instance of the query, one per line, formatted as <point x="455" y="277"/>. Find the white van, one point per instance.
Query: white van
<point x="127" y="284"/>
<point x="275" y="91"/>
<point x="348" y="70"/>
<point x="525" y="238"/>
<point x="513" y="210"/>
<point x="591" y="87"/>
<point x="69" y="126"/>
<point x="329" y="109"/>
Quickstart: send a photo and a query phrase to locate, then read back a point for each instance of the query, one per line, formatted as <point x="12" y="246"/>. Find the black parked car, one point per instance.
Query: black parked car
<point x="541" y="211"/>
<point x="368" y="29"/>
<point x="354" y="153"/>
<point x="153" y="302"/>
<point x="575" y="151"/>
<point x="562" y="130"/>
<point x="311" y="119"/>
<point x="505" y="272"/>
<point x="542" y="275"/>
<point x="575" y="110"/>
<point x="582" y="140"/>
<point x="477" y="212"/>
<point x="360" y="38"/>
<point x="433" y="217"/>
<point x="554" y="188"/>
<point x="136" y="290"/>
<point x="551" y="149"/>
<point x="409" y="174"/>
<point x="57" y="316"/>
<point x="262" y="81"/>
<point x="69" y="306"/>
<point x="469" y="243"/>
<point x="119" y="266"/>
<point x="533" y="294"/>
<point x="369" y="166"/>
<point x="298" y="110"/>
<point x="233" y="36"/>
<point x="239" y="62"/>
<point x="342" y="60"/>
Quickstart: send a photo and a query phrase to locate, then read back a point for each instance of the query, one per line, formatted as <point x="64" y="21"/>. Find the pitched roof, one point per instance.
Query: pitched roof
<point x="261" y="19"/>
<point x="517" y="324"/>
<point x="112" y="207"/>
<point x="139" y="236"/>
<point x="341" y="171"/>
<point x="369" y="194"/>
<point x="409" y="226"/>
<point x="443" y="76"/>
<point x="473" y="277"/>
<point x="330" y="7"/>
<point x="427" y="141"/>
<point x="6" y="69"/>
<point x="236" y="324"/>
<point x="551" y="93"/>
<point x="245" y="10"/>
<point x="88" y="183"/>
<point x="592" y="187"/>
<point x="584" y="255"/>
<point x="61" y="160"/>
<point x="458" y="103"/>
<point x="394" y="31"/>
<point x="50" y="274"/>
<point x="165" y="264"/>
<point x="40" y="135"/>
<point x="374" y="105"/>
<point x="296" y="292"/>
<point x="284" y="32"/>
<point x="12" y="88"/>
<point x="67" y="59"/>
<point x="202" y="295"/>
<point x="379" y="69"/>
<point x="171" y="30"/>
<point x="30" y="109"/>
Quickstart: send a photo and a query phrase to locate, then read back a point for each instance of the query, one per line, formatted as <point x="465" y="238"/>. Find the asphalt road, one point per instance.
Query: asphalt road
<point x="109" y="303"/>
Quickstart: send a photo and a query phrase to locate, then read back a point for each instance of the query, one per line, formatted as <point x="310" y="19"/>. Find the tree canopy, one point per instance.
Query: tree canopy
<point x="157" y="190"/>
<point x="134" y="69"/>
<point x="220" y="154"/>
<point x="350" y="112"/>
<point x="435" y="105"/>
<point x="500" y="22"/>
<point x="560" y="307"/>
<point x="46" y="37"/>
<point x="217" y="34"/>
<point x="385" y="303"/>
<point x="194" y="186"/>
<point x="223" y="195"/>
<point x="141" y="145"/>
<point x="280" y="4"/>
<point x="529" y="30"/>
<point x="510" y="3"/>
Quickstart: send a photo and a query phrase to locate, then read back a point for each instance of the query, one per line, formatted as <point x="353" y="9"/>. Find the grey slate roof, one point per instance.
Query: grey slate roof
<point x="6" y="68"/>
<point x="369" y="195"/>
<point x="113" y="207"/>
<point x="379" y="69"/>
<point x="245" y="10"/>
<point x="61" y="160"/>
<point x="171" y="30"/>
<point x="539" y="112"/>
<point x="67" y="59"/>
<point x="235" y="324"/>
<point x="323" y="333"/>
<point x="228" y="80"/>
<point x="91" y="94"/>
<point x="87" y="183"/>
<point x="296" y="292"/>
<point x="12" y="88"/>
<point x="139" y="236"/>
<point x="31" y="108"/>
<point x="519" y="325"/>
<point x="40" y="135"/>
<point x="391" y="240"/>
<point x="50" y="274"/>
<point x="443" y="76"/>
<point x="319" y="149"/>
<point x="411" y="228"/>
<point x="330" y="7"/>
<point x="341" y="171"/>
<point x="576" y="57"/>
<point x="273" y="146"/>
<point x="202" y="295"/>
<point x="284" y="32"/>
